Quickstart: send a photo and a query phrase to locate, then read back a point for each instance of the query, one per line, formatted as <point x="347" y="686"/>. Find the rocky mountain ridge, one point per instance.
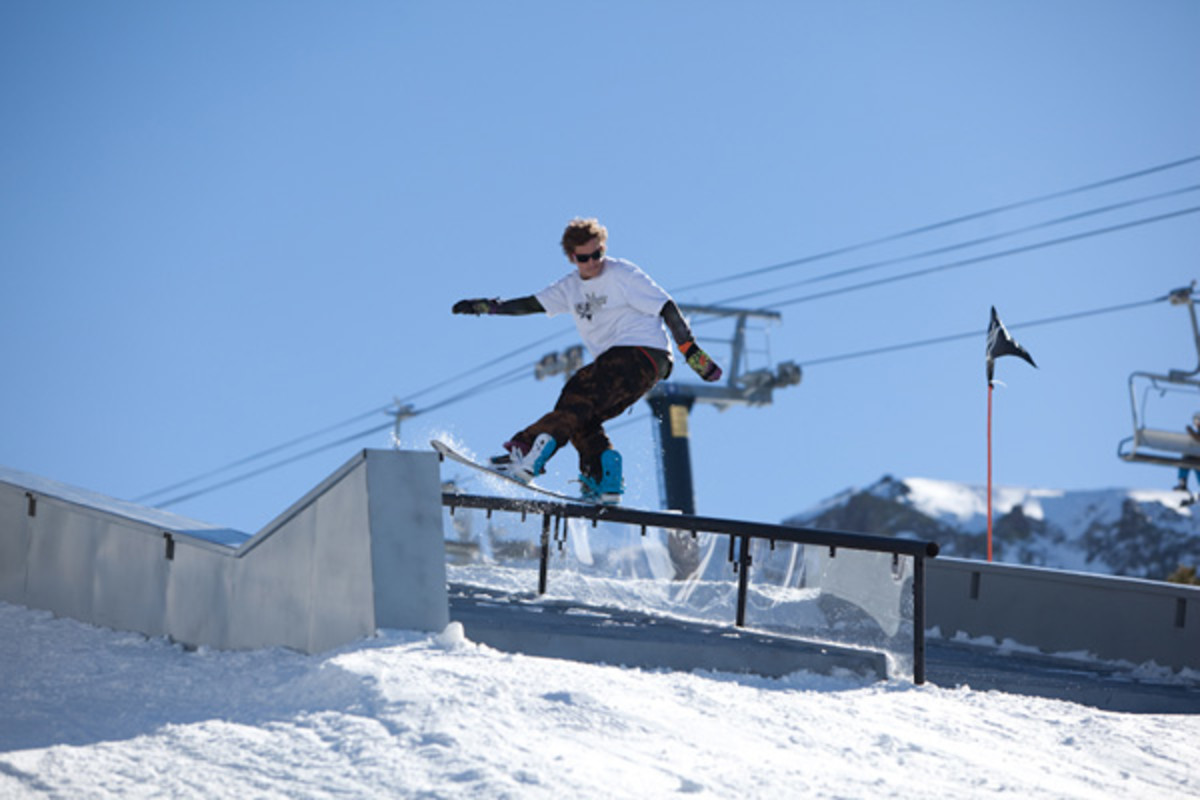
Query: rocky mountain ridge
<point x="1135" y="533"/>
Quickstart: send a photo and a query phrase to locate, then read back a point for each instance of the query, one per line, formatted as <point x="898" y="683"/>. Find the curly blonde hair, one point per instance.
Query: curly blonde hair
<point x="580" y="231"/>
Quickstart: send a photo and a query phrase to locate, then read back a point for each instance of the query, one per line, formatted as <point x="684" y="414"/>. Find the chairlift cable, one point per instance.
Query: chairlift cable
<point x="491" y="383"/>
<point x="939" y="225"/>
<point x="379" y="410"/>
<point x="275" y="465"/>
<point x="491" y="361"/>
<point x="983" y="258"/>
<point x="963" y="245"/>
<point x="262" y="454"/>
<point x="979" y="333"/>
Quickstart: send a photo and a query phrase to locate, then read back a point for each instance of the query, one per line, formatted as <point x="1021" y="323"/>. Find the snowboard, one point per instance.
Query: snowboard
<point x="446" y="451"/>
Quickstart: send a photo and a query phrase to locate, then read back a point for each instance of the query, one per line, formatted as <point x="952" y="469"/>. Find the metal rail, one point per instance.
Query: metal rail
<point x="740" y="532"/>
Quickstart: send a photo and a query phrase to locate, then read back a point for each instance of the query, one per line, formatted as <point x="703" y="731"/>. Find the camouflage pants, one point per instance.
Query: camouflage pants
<point x="597" y="393"/>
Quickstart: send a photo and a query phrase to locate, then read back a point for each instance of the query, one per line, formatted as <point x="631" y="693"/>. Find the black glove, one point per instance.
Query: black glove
<point x="477" y="307"/>
<point x="700" y="361"/>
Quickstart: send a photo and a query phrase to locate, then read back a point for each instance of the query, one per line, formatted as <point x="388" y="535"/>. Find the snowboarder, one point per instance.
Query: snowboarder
<point x="623" y="317"/>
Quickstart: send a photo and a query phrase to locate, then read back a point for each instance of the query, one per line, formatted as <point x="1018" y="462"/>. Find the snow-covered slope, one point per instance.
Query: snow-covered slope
<point x="89" y="713"/>
<point x="1142" y="533"/>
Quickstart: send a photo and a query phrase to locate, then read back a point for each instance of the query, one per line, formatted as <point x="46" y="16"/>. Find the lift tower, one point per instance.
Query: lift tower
<point x="672" y="402"/>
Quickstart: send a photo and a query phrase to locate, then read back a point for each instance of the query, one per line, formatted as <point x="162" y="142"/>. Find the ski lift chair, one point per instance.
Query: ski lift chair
<point x="1168" y="448"/>
<point x="1173" y="447"/>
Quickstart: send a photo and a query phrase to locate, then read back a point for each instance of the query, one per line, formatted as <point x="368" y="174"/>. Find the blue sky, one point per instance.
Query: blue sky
<point x="226" y="226"/>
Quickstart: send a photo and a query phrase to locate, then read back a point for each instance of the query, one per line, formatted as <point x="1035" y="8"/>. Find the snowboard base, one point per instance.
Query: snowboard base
<point x="446" y="451"/>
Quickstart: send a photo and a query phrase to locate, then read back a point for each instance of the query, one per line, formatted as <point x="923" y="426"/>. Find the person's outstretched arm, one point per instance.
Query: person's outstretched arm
<point x="696" y="358"/>
<point x="512" y="308"/>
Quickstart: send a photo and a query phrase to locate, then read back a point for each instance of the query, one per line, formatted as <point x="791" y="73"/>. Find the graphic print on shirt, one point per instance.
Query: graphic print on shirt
<point x="590" y="305"/>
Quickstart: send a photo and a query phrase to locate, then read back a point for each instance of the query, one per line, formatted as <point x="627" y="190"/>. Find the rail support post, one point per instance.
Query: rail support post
<point x="545" y="554"/>
<point x="918" y="619"/>
<point x="743" y="579"/>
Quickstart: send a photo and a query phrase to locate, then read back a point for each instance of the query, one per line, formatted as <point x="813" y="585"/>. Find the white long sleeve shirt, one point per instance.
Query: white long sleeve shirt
<point x="618" y="307"/>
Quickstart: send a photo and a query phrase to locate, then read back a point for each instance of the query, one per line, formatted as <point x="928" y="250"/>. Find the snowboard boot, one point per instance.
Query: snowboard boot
<point x="512" y="449"/>
<point x="610" y="485"/>
<point x="525" y="462"/>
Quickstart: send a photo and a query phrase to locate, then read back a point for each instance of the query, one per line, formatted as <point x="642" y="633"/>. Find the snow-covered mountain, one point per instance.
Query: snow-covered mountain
<point x="1137" y="533"/>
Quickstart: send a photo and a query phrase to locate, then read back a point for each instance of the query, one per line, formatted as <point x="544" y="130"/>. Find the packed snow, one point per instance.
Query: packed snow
<point x="92" y="713"/>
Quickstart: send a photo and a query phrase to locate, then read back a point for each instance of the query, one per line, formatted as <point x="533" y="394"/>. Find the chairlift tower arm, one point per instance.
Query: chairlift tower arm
<point x="1180" y="297"/>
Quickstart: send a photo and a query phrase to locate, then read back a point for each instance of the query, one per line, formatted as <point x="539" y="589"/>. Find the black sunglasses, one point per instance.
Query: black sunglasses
<point x="586" y="257"/>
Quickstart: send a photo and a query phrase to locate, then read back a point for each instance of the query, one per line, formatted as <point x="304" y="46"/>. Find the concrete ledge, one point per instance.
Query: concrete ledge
<point x="631" y="639"/>
<point x="362" y="550"/>
<point x="1056" y="611"/>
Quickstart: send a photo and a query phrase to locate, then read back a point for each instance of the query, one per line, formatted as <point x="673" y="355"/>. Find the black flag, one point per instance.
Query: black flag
<point x="1000" y="343"/>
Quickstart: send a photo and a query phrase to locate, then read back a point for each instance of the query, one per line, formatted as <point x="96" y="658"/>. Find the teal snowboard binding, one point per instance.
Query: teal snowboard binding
<point x="611" y="485"/>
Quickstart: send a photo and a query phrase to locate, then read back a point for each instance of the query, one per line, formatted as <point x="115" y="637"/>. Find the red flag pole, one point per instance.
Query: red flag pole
<point x="989" y="473"/>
